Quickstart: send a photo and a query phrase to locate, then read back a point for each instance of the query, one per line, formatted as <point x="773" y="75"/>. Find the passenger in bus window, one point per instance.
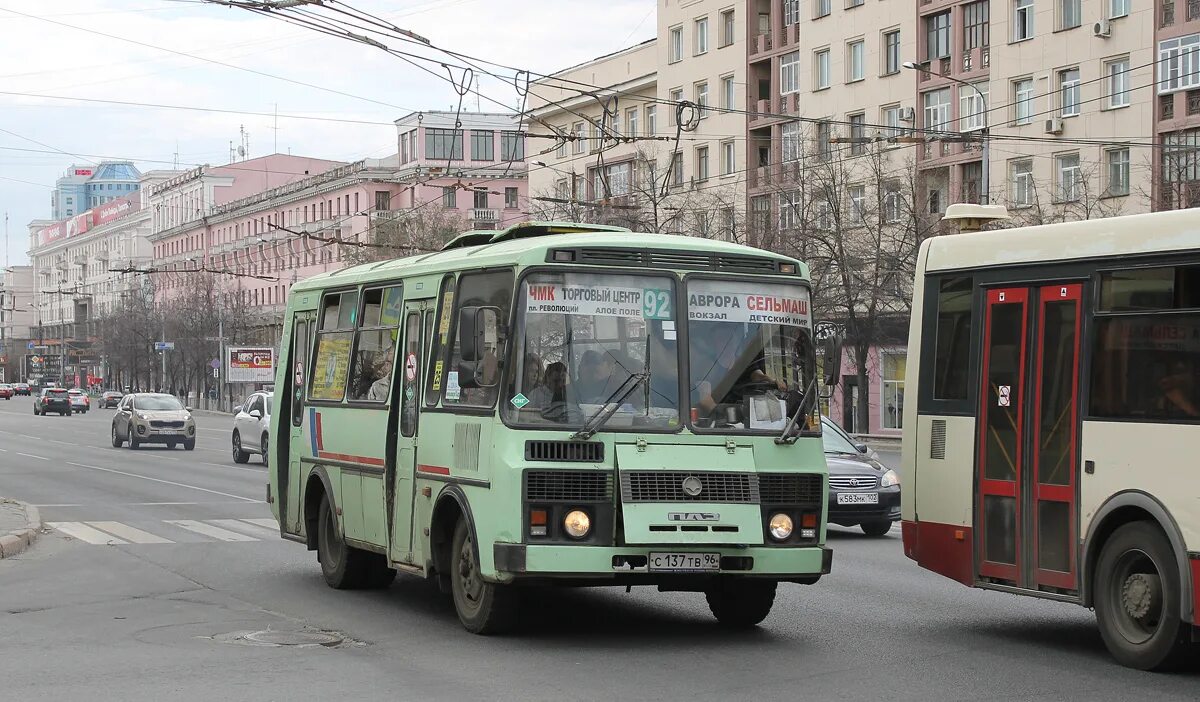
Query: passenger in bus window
<point x="533" y="384"/>
<point x="715" y="361"/>
<point x="592" y="376"/>
<point x="383" y="376"/>
<point x="1178" y="388"/>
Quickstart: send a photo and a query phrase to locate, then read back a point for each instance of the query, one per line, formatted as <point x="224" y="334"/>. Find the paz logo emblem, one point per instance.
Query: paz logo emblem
<point x="519" y="401"/>
<point x="692" y="486"/>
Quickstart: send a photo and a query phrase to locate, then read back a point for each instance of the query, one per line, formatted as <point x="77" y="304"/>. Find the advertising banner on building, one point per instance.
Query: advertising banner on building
<point x="250" y="365"/>
<point x="65" y="229"/>
<point x="116" y="209"/>
<point x="39" y="366"/>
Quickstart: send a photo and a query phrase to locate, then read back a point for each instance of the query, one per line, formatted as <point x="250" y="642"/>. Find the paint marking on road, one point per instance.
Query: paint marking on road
<point x="268" y="523"/>
<point x="210" y="530"/>
<point x="83" y="532"/>
<point x="30" y="455"/>
<point x="63" y="505"/>
<point x="130" y="534"/>
<point x="260" y="471"/>
<point x="160" y="480"/>
<point x="247" y="526"/>
<point x="217" y="431"/>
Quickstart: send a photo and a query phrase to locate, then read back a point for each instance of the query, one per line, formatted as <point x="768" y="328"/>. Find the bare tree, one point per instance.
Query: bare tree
<point x="402" y="233"/>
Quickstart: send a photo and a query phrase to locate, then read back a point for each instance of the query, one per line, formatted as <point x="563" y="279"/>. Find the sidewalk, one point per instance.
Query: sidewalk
<point x="20" y="525"/>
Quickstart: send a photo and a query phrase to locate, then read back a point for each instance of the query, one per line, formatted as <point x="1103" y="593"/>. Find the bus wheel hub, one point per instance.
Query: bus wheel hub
<point x="1141" y="594"/>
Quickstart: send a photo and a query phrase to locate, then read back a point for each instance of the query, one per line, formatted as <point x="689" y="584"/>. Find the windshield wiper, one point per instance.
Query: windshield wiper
<point x="789" y="433"/>
<point x="611" y="405"/>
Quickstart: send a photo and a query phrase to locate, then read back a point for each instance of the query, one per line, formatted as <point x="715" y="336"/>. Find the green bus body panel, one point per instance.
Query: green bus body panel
<point x="573" y="560"/>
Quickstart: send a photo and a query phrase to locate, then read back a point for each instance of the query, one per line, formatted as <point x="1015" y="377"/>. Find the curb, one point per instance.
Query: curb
<point x="15" y="542"/>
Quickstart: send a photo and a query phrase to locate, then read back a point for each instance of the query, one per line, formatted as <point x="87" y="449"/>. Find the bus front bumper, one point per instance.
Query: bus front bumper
<point x="625" y="564"/>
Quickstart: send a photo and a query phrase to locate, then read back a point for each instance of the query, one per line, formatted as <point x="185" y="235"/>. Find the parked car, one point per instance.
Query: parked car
<point x="80" y="402"/>
<point x="153" y="418"/>
<point x="7" y="391"/>
<point x="21" y="388"/>
<point x="862" y="491"/>
<point x="112" y="398"/>
<point x="52" y="400"/>
<point x="250" y="427"/>
<point x="827" y="424"/>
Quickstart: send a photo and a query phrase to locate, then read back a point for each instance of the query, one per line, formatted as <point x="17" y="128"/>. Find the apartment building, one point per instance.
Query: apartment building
<point x="17" y="319"/>
<point x="1176" y="112"/>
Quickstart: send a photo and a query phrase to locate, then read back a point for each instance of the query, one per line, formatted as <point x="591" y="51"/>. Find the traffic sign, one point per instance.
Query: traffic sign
<point x="164" y="346"/>
<point x="215" y="363"/>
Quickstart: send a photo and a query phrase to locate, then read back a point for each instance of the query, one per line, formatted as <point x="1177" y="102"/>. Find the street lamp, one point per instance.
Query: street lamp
<point x="913" y="66"/>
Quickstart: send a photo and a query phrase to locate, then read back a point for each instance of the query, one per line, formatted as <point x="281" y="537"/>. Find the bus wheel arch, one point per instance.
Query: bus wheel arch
<point x="1125" y="508"/>
<point x="316" y="487"/>
<point x="451" y="505"/>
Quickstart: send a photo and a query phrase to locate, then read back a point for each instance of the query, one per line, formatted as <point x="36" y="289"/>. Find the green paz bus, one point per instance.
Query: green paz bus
<point x="556" y="403"/>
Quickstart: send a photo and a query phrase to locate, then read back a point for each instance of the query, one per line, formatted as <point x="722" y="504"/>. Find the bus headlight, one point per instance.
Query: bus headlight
<point x="577" y="523"/>
<point x="889" y="479"/>
<point x="780" y="527"/>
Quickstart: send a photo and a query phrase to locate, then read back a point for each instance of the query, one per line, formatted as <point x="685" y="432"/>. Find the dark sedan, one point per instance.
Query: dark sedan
<point x="862" y="491"/>
<point x="110" y="399"/>
<point x="55" y="400"/>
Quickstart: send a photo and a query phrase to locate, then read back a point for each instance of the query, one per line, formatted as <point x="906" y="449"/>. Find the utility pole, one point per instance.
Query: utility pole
<point x="163" y="387"/>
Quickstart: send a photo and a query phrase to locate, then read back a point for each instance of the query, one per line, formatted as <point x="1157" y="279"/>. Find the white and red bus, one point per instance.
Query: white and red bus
<point x="1053" y="449"/>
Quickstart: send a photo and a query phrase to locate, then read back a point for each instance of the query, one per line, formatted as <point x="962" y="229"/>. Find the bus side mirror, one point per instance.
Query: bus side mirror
<point x="833" y="357"/>
<point x="478" y="343"/>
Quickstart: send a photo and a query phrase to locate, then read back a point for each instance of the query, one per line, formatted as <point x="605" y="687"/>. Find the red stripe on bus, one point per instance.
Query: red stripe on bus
<point x="320" y="442"/>
<point x="365" y="460"/>
<point x="1196" y="589"/>
<point x="434" y="470"/>
<point x="942" y="548"/>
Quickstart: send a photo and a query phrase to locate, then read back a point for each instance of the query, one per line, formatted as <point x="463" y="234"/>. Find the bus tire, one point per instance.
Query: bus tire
<point x="741" y="603"/>
<point x="483" y="607"/>
<point x="346" y="567"/>
<point x="1137" y="598"/>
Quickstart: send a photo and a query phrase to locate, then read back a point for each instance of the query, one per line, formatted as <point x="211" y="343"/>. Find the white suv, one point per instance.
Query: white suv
<point x="250" y="427"/>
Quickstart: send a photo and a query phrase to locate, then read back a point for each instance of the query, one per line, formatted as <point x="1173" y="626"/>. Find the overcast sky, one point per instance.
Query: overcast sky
<point x="40" y="55"/>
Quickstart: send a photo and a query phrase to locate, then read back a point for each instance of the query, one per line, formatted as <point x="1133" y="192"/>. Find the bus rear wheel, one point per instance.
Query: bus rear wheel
<point x="483" y="607"/>
<point x="741" y="603"/>
<point x="1137" y="600"/>
<point x="346" y="567"/>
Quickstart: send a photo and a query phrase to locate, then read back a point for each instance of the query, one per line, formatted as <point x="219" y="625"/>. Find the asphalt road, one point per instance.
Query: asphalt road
<point x="159" y="616"/>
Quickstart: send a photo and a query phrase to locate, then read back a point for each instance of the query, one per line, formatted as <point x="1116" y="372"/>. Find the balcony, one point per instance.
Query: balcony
<point x="485" y="215"/>
<point x="976" y="59"/>
<point x="791" y="35"/>
<point x="762" y="44"/>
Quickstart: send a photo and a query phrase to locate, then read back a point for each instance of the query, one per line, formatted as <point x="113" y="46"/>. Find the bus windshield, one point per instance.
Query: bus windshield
<point x="750" y="348"/>
<point x="580" y="337"/>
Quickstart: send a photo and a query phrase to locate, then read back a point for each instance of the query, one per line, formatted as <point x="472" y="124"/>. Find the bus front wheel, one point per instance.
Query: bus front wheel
<point x="346" y="567"/>
<point x="1137" y="600"/>
<point x="741" y="603"/>
<point x="483" y="607"/>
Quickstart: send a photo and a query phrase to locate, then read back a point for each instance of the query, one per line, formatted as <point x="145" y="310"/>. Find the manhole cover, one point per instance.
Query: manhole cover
<point x="273" y="637"/>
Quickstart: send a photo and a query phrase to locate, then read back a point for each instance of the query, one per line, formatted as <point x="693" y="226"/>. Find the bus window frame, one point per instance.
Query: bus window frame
<point x="681" y="336"/>
<point x="926" y="402"/>
<point x="432" y="399"/>
<point x="466" y="410"/>
<point x="315" y="341"/>
<point x="685" y="370"/>
<point x="357" y="330"/>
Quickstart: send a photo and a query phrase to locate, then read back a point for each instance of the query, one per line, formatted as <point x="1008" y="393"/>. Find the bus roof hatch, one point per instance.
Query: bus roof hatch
<point x="525" y="230"/>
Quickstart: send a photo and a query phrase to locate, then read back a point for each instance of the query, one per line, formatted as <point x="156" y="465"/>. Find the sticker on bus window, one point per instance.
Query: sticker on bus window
<point x="332" y="365"/>
<point x="453" y="391"/>
<point x="410" y="367"/>
<point x="604" y="301"/>
<point x="437" y="375"/>
<point x="1004" y="399"/>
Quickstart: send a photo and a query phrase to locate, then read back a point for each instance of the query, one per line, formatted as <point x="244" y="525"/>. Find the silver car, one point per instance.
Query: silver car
<point x="251" y="423"/>
<point x="153" y="418"/>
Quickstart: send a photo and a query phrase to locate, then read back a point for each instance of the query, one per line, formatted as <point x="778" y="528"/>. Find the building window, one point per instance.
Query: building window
<point x="482" y="145"/>
<point x="404" y="148"/>
<point x="676" y="97"/>
<point x="728" y="94"/>
<point x="820" y="67"/>
<point x="702" y="163"/>
<point x="937" y="109"/>
<point x="510" y="198"/>
<point x="1118" y="8"/>
<point x="595" y="140"/>
<point x="892" y="412"/>
<point x="580" y="142"/>
<point x="791" y="12"/>
<point x="890" y="116"/>
<point x="651" y="120"/>
<point x="789" y="73"/>
<point x="675" y="45"/>
<point x="1069" y="181"/>
<point x="677" y="169"/>
<point x="702" y="98"/>
<point x="727" y="157"/>
<point x="1179" y="63"/>
<point x="891" y="52"/>
<point x="1069" y="14"/>
<point x="1180" y="162"/>
<point x="789" y="209"/>
<point x="727" y="33"/>
<point x="1117" y="161"/>
<point x="449" y="196"/>
<point x="561" y="151"/>
<point x="480" y="199"/>
<point x="972" y="182"/>
<point x="444" y="143"/>
<point x="822" y="8"/>
<point x="512" y="146"/>
<point x="858" y="205"/>
<point x="1022" y="182"/>
<point x="792" y="150"/>
<point x="824" y="143"/>
<point x="893" y="202"/>
<point x="1023" y="100"/>
<point x="1068" y="91"/>
<point x="975" y="25"/>
<point x="858" y="134"/>
<point x="853" y="3"/>
<point x="1118" y="82"/>
<point x="972" y="105"/>
<point x="1023" y="20"/>
<point x="702" y="36"/>
<point x="631" y="122"/>
<point x="937" y="36"/>
<point x="855" y="70"/>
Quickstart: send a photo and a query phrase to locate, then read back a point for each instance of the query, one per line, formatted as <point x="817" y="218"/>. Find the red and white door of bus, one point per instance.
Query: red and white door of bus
<point x="1026" y="484"/>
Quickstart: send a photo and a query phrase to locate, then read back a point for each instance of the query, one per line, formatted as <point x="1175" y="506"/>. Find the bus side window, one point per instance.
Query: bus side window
<point x="480" y="290"/>
<point x="952" y="362"/>
<point x="437" y="356"/>
<point x="409" y="401"/>
<point x="330" y="368"/>
<point x="300" y="348"/>
<point x="375" y="345"/>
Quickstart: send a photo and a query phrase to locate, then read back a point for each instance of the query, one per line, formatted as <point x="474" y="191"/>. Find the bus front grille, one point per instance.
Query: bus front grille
<point x="568" y="486"/>
<point x="668" y="486"/>
<point x="565" y="451"/>
<point x="790" y="488"/>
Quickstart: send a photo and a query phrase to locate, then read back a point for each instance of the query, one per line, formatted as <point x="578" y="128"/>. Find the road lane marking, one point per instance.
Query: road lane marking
<point x="209" y="530"/>
<point x="83" y="532"/>
<point x="30" y="455"/>
<point x="247" y="526"/>
<point x="63" y="505"/>
<point x="130" y="534"/>
<point x="260" y="471"/>
<point x="268" y="523"/>
<point x="160" y="480"/>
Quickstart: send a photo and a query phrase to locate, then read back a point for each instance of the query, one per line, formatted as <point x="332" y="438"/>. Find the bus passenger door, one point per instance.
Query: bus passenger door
<point x="404" y="455"/>
<point x="1026" y="510"/>
<point x="289" y="472"/>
